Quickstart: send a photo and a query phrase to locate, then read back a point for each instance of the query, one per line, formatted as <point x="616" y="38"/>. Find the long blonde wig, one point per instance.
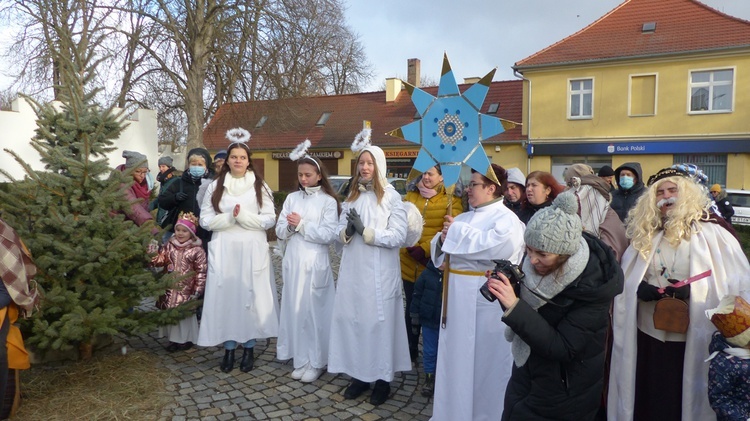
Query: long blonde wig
<point x="645" y="219"/>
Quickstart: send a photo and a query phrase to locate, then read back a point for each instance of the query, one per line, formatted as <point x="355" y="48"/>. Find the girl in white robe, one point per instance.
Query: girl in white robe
<point x="368" y="334"/>
<point x="474" y="358"/>
<point x="240" y="303"/>
<point x="307" y="224"/>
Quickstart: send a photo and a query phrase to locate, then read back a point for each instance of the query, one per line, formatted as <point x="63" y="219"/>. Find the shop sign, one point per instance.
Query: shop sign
<point x="401" y="154"/>
<point x="314" y="154"/>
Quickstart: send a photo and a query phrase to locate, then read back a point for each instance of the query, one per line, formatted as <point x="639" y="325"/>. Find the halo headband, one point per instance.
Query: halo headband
<point x="362" y="140"/>
<point x="300" y="152"/>
<point x="238" y="135"/>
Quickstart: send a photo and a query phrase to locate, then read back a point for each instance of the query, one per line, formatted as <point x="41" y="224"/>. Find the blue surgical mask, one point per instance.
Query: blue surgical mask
<point x="625" y="182"/>
<point x="197" y="171"/>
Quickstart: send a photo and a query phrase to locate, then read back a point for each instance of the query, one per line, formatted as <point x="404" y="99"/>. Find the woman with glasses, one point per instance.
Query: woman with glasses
<point x="558" y="325"/>
<point x="474" y="359"/>
<point x="139" y="191"/>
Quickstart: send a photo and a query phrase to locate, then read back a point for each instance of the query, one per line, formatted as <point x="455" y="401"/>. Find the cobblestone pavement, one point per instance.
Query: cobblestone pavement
<point x="202" y="392"/>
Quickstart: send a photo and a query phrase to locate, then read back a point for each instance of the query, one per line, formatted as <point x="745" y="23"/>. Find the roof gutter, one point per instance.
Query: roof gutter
<point x="519" y="75"/>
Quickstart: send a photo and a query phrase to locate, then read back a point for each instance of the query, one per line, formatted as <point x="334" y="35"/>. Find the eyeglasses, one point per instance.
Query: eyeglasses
<point x="472" y="185"/>
<point x="140" y="171"/>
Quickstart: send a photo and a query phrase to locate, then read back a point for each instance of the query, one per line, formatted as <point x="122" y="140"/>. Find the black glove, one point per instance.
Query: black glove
<point x="681" y="293"/>
<point x="648" y="292"/>
<point x="417" y="253"/>
<point x="181" y="196"/>
<point x="356" y="221"/>
<point x="415" y="326"/>
<point x="349" y="228"/>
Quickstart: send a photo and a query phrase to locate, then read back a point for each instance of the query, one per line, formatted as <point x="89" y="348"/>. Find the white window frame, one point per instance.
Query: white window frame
<point x="710" y="85"/>
<point x="581" y="92"/>
<point x="656" y="94"/>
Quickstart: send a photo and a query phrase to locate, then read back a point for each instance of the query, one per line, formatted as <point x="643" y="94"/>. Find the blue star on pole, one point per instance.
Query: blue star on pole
<point x="451" y="128"/>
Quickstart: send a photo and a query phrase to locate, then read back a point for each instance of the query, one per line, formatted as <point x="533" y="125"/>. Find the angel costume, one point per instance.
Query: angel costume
<point x="474" y="358"/>
<point x="307" y="298"/>
<point x="240" y="302"/>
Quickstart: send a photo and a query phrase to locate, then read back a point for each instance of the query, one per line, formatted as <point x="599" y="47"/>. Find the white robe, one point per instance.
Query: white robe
<point x="307" y="297"/>
<point x="368" y="333"/>
<point x="713" y="248"/>
<point x="240" y="302"/>
<point x="474" y="358"/>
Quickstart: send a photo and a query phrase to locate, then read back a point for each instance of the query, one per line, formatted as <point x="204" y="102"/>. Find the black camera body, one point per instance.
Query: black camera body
<point x="513" y="272"/>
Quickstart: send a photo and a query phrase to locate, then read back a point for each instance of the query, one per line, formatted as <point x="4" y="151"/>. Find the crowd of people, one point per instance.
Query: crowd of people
<point x="601" y="298"/>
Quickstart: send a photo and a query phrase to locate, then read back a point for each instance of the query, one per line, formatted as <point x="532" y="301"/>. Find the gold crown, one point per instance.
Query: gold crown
<point x="734" y="323"/>
<point x="188" y="216"/>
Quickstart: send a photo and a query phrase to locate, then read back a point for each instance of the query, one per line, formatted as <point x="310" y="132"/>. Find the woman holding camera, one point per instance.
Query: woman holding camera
<point x="474" y="361"/>
<point x="558" y="325"/>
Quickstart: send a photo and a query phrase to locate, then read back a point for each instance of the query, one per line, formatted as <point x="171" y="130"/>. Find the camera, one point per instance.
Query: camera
<point x="513" y="272"/>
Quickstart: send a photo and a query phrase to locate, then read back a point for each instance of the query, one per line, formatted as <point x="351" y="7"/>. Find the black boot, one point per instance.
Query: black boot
<point x="247" y="360"/>
<point x="227" y="364"/>
<point x="429" y="385"/>
<point x="380" y="392"/>
<point x="355" y="389"/>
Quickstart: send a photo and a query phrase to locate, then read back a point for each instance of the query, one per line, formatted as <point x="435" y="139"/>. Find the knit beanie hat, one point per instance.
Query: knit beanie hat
<point x="716" y="188"/>
<point x="557" y="228"/>
<point x="165" y="160"/>
<point x="516" y="176"/>
<point x="222" y="154"/>
<point x="606" y="171"/>
<point x="189" y="221"/>
<point x="135" y="159"/>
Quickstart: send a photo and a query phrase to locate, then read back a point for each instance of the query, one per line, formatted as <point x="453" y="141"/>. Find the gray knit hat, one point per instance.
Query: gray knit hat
<point x="516" y="176"/>
<point x="165" y="160"/>
<point x="557" y="228"/>
<point x="135" y="159"/>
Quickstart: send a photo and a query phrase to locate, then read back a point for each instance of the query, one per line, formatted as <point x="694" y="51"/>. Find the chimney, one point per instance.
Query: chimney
<point x="413" y="70"/>
<point x="392" y="88"/>
<point x="472" y="80"/>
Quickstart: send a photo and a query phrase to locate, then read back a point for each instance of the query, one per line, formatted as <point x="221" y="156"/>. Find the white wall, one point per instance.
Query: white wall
<point x="17" y="128"/>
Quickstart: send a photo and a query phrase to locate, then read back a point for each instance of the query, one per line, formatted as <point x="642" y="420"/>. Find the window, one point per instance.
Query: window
<point x="493" y="108"/>
<point x="642" y="95"/>
<point x="711" y="90"/>
<point x="261" y="122"/>
<point x="714" y="166"/>
<point x="581" y="98"/>
<point x="324" y="118"/>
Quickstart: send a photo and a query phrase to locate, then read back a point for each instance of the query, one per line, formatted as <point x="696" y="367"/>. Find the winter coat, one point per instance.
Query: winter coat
<point x="564" y="374"/>
<point x="725" y="208"/>
<point x="528" y="210"/>
<point x="433" y="211"/>
<point x="138" y="196"/>
<point x="427" y="301"/>
<point x="728" y="381"/>
<point x="624" y="200"/>
<point x="183" y="259"/>
<point x="514" y="206"/>
<point x="190" y="186"/>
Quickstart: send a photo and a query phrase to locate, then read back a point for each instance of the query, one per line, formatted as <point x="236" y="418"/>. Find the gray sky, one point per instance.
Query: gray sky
<point x="478" y="35"/>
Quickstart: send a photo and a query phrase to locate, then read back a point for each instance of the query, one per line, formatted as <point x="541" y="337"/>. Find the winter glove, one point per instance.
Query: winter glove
<point x="647" y="292"/>
<point x="356" y="221"/>
<point x="181" y="196"/>
<point x="349" y="228"/>
<point x="415" y="326"/>
<point x="681" y="293"/>
<point x="417" y="253"/>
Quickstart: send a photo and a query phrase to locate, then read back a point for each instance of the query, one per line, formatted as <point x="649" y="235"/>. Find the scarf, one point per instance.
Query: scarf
<point x="425" y="192"/>
<point x="365" y="186"/>
<point x="17" y="270"/>
<point x="593" y="202"/>
<point x="548" y="287"/>
<point x="141" y="190"/>
<point x="237" y="186"/>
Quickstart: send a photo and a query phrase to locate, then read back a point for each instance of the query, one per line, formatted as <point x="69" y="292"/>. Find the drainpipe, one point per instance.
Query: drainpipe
<point x="528" y="116"/>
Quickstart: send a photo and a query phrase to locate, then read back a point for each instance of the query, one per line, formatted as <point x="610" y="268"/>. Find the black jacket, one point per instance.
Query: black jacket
<point x="725" y="208"/>
<point x="528" y="210"/>
<point x="514" y="206"/>
<point x="623" y="200"/>
<point x="563" y="377"/>
<point x="427" y="300"/>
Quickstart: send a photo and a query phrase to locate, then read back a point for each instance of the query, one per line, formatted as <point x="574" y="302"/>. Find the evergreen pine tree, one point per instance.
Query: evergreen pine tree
<point x="92" y="262"/>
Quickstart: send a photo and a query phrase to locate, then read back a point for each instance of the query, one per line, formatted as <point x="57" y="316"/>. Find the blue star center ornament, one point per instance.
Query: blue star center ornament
<point x="451" y="128"/>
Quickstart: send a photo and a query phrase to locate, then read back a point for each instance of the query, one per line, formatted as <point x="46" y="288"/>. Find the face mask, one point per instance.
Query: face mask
<point x="197" y="171"/>
<point x="625" y="182"/>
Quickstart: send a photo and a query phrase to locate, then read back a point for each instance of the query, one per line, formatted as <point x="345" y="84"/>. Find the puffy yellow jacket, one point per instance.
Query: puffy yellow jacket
<point x="433" y="211"/>
<point x="18" y="358"/>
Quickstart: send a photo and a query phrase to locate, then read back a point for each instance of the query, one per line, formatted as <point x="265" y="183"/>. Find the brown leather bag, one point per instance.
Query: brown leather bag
<point x="671" y="314"/>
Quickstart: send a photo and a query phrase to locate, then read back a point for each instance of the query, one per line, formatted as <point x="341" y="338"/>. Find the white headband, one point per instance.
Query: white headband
<point x="300" y="152"/>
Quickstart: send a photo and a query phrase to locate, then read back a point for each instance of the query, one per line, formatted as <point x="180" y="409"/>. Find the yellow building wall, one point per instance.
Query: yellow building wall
<point x="738" y="171"/>
<point x="610" y="101"/>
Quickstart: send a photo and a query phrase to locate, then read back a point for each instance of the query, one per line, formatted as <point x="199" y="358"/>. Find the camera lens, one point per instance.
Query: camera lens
<point x="485" y="291"/>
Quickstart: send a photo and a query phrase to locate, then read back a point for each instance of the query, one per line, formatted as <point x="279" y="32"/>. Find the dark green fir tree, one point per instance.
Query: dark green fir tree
<point x="93" y="267"/>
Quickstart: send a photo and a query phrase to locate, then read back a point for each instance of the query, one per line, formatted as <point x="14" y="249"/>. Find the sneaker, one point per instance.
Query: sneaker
<point x="299" y="372"/>
<point x="429" y="385"/>
<point x="380" y="392"/>
<point x="355" y="389"/>
<point x="311" y="374"/>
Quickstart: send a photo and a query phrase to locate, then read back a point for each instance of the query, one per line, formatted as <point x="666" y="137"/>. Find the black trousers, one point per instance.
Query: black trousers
<point x="413" y="339"/>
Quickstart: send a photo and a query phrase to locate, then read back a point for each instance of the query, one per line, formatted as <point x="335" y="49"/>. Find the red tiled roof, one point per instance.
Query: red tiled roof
<point x="291" y="121"/>
<point x="681" y="26"/>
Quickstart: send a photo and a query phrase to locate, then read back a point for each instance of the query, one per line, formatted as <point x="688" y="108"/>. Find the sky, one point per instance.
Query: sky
<point x="477" y="35"/>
